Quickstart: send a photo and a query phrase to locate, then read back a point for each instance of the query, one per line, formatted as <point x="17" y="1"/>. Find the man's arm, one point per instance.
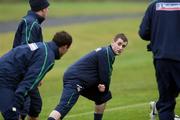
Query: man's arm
<point x="103" y="67"/>
<point x="145" y="27"/>
<point x="20" y="35"/>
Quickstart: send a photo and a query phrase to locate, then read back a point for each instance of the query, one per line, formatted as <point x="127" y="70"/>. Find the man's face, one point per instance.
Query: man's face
<point x="118" y="46"/>
<point x="63" y="50"/>
<point x="45" y="12"/>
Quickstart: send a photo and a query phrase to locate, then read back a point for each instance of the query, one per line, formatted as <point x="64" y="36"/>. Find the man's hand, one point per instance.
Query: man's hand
<point x="101" y="87"/>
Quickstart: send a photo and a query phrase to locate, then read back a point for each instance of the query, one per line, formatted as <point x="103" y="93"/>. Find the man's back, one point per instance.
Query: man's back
<point x="93" y="68"/>
<point x="29" y="30"/>
<point x="161" y="26"/>
<point x="85" y="68"/>
<point x="15" y="64"/>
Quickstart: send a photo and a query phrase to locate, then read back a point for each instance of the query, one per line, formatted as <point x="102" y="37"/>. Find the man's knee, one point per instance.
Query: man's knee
<point x="100" y="108"/>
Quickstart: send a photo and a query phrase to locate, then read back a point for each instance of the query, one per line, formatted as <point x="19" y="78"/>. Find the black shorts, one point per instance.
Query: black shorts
<point x="96" y="96"/>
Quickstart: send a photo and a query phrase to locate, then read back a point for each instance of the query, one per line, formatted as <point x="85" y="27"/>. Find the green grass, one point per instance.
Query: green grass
<point x="10" y="12"/>
<point x="133" y="82"/>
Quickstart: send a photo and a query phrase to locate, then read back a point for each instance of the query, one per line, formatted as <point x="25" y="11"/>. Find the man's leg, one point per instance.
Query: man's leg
<point x="100" y="104"/>
<point x="167" y="89"/>
<point x="35" y="104"/>
<point x="100" y="99"/>
<point x="24" y="112"/>
<point x="154" y="111"/>
<point x="69" y="97"/>
<point x="99" y="110"/>
<point x="6" y="103"/>
<point x="176" y="75"/>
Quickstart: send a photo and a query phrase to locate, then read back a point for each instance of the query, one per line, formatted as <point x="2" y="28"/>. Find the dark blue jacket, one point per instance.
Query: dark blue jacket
<point x="29" y="30"/>
<point x="160" y="26"/>
<point x="22" y="68"/>
<point x="93" y="69"/>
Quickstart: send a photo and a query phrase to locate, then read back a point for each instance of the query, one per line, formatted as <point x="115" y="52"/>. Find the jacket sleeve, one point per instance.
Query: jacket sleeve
<point x="103" y="68"/>
<point x="36" y="70"/>
<point x="145" y="27"/>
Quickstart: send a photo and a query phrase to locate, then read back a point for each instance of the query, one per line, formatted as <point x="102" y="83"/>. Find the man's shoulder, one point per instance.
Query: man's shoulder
<point x="100" y="49"/>
<point x="40" y="46"/>
<point x="33" y="46"/>
<point x="30" y="20"/>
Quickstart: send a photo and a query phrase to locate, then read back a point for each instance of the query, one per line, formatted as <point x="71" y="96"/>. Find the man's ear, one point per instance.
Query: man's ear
<point x="43" y="10"/>
<point x="65" y="47"/>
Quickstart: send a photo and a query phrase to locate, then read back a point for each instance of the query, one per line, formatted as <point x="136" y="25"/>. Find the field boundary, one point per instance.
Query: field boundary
<point x="109" y="109"/>
<point x="113" y="109"/>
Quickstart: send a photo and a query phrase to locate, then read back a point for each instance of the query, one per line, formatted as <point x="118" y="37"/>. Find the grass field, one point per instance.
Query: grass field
<point x="9" y="12"/>
<point x="133" y="83"/>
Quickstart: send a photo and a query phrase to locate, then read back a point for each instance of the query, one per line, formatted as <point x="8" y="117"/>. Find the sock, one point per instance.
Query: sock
<point x="50" y="118"/>
<point x="98" y="116"/>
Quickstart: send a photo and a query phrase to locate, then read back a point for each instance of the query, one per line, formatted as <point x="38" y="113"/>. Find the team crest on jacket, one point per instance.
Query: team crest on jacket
<point x="171" y="6"/>
<point x="33" y="46"/>
<point x="98" y="49"/>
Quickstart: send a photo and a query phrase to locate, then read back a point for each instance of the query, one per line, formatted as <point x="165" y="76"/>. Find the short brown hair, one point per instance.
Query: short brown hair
<point x="122" y="36"/>
<point x="62" y="38"/>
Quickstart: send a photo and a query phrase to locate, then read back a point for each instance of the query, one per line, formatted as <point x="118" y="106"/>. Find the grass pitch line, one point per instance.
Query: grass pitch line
<point x="110" y="109"/>
<point x="113" y="109"/>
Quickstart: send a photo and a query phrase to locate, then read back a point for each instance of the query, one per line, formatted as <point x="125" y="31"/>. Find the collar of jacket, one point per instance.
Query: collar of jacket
<point x="111" y="50"/>
<point x="55" y="49"/>
<point x="36" y="16"/>
<point x="111" y="54"/>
